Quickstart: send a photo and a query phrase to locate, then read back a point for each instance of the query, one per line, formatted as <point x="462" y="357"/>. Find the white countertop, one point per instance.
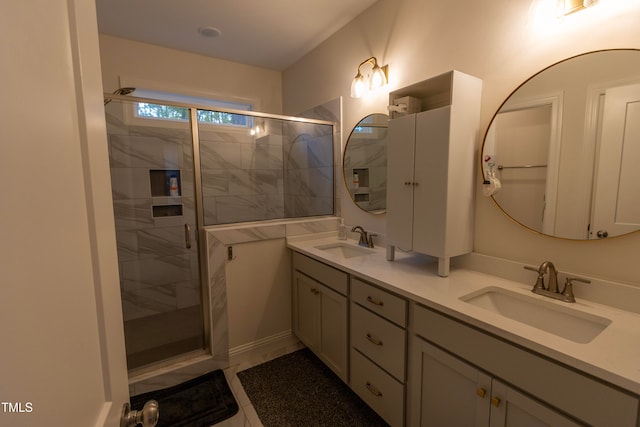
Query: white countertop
<point x="613" y="355"/>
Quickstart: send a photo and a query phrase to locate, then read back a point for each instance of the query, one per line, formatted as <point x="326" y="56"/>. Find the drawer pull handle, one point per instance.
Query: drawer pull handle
<point x="495" y="401"/>
<point x="315" y="291"/>
<point x="481" y="392"/>
<point x="373" y="390"/>
<point x="374" y="340"/>
<point x="375" y="301"/>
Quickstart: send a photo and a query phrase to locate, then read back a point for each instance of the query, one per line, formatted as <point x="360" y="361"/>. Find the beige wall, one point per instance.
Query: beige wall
<point x="129" y="63"/>
<point x="258" y="292"/>
<point x="501" y="42"/>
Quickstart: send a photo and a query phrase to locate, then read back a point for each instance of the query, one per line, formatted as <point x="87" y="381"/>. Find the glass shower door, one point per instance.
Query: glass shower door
<point x="151" y="162"/>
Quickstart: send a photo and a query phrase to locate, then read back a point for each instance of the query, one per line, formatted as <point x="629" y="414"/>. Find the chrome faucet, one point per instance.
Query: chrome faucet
<point x="550" y="269"/>
<point x="366" y="239"/>
<point x="552" y="290"/>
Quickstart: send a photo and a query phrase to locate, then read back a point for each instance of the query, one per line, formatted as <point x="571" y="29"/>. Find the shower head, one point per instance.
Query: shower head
<point x="120" y="91"/>
<point x="124" y="91"/>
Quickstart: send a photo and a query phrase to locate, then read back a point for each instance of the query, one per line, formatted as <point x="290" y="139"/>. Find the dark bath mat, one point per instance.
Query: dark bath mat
<point x="299" y="390"/>
<point x="200" y="402"/>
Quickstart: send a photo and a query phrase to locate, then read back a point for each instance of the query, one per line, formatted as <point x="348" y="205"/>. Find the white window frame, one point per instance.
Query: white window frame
<point x="175" y="94"/>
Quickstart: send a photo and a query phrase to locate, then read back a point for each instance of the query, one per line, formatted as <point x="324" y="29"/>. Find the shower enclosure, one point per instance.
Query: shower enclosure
<point x="177" y="168"/>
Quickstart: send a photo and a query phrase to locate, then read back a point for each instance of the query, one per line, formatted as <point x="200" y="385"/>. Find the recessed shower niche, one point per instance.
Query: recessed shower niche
<point x="165" y="184"/>
<point x="360" y="187"/>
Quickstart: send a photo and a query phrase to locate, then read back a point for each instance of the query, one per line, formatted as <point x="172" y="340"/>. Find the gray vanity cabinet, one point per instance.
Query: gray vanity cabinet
<point x="378" y="349"/>
<point x="455" y="393"/>
<point x="462" y="376"/>
<point x="320" y="311"/>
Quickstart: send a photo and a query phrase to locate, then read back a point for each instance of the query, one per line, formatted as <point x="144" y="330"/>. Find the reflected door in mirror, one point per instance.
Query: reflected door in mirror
<point x="616" y="209"/>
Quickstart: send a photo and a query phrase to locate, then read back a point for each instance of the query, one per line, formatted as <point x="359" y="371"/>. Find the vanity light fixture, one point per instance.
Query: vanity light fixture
<point x="378" y="78"/>
<point x="566" y="7"/>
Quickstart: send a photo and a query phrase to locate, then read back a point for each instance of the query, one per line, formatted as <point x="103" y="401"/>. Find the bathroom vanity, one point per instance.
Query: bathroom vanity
<point x="425" y="350"/>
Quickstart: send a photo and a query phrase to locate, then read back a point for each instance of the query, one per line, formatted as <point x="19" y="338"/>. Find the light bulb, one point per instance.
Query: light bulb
<point x="378" y="79"/>
<point x="358" y="86"/>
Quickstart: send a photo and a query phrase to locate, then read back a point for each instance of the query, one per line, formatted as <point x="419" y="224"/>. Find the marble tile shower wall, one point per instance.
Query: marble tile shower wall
<point x="286" y="173"/>
<point x="308" y="171"/>
<point x="158" y="274"/>
<point x="242" y="176"/>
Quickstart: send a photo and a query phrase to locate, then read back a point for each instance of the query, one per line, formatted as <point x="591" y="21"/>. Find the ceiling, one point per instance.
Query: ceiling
<point x="266" y="33"/>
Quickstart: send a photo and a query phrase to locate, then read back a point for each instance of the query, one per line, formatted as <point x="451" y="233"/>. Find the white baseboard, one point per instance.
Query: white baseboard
<point x="263" y="350"/>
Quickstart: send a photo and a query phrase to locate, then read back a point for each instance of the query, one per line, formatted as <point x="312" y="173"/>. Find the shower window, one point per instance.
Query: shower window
<point x="169" y="112"/>
<point x="146" y="110"/>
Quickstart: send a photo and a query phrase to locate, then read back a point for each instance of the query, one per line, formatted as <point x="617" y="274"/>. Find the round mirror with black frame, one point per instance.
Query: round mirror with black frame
<point x="364" y="164"/>
<point x="560" y="156"/>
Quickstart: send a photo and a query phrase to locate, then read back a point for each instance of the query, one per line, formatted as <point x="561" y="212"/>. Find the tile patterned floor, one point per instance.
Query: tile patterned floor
<point x="246" y="416"/>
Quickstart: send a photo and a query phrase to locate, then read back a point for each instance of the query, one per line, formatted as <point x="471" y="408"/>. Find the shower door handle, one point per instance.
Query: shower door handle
<point x="187" y="236"/>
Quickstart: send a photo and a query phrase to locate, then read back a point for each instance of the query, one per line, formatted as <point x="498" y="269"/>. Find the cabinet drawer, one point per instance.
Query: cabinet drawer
<point x="329" y="276"/>
<point x="380" y="340"/>
<point x="378" y="389"/>
<point x="564" y="388"/>
<point x="379" y="301"/>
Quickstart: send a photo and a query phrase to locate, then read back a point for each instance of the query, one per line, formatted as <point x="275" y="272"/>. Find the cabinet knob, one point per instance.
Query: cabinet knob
<point x="373" y="390"/>
<point x="407" y="183"/>
<point x="481" y="392"/>
<point x="374" y="340"/>
<point x="375" y="301"/>
<point x="495" y="401"/>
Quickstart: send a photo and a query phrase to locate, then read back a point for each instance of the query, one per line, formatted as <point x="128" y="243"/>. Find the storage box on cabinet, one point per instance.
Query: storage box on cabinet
<point x="383" y="393"/>
<point x="580" y="396"/>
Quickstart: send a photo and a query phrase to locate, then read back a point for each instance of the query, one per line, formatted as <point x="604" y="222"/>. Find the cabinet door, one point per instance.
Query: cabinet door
<point x="400" y="160"/>
<point x="333" y="331"/>
<point x="431" y="198"/>
<point x="447" y="391"/>
<point x="510" y="408"/>
<point x="306" y="310"/>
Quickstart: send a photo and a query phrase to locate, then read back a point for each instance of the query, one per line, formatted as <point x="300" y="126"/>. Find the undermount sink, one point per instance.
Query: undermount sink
<point x="550" y="317"/>
<point x="345" y="250"/>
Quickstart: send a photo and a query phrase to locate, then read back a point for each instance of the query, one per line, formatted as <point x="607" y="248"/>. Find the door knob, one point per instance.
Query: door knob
<point x="602" y="234"/>
<point x="148" y="416"/>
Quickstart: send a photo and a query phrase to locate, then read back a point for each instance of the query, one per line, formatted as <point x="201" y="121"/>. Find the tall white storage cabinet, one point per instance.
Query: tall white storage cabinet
<point x="430" y="167"/>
